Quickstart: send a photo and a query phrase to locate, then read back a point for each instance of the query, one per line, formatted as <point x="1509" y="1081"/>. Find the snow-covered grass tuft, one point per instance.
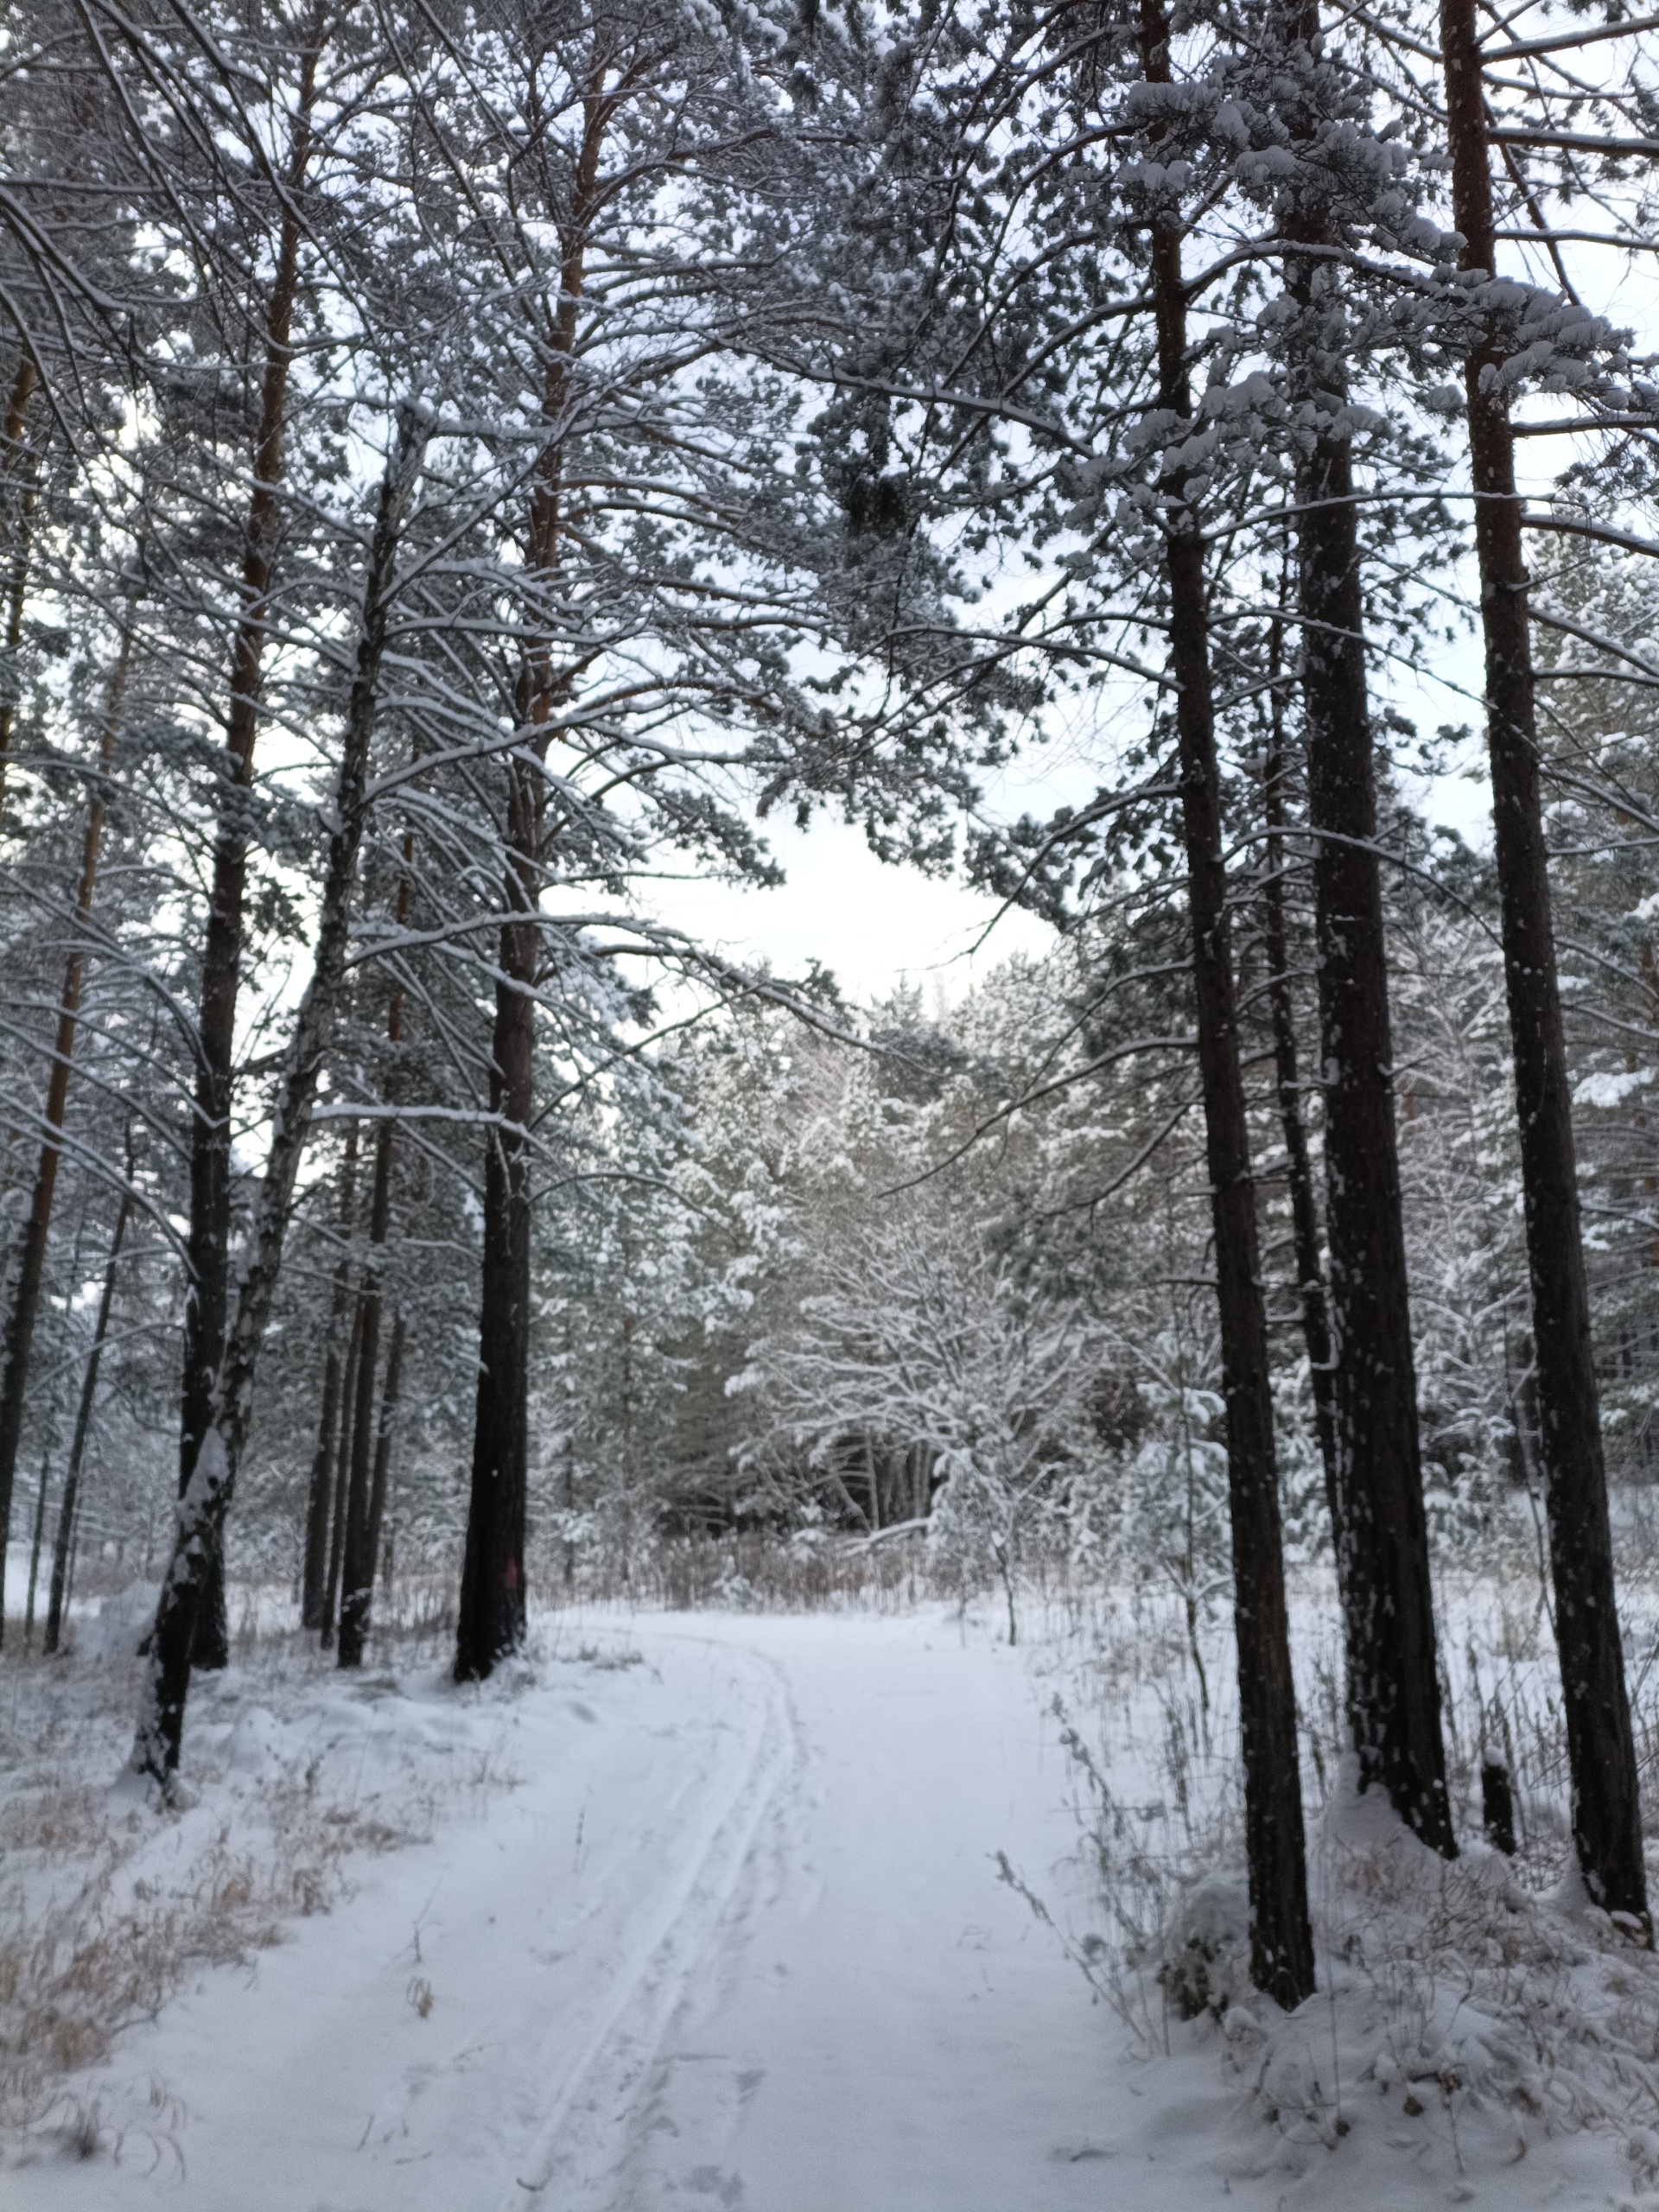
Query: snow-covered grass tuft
<point x="108" y="1903"/>
<point x="1494" y="2015"/>
<point x="1469" y="2014"/>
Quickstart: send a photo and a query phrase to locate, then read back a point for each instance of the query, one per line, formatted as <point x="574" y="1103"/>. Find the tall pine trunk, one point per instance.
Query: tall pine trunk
<point x="34" y="1551"/>
<point x="206" y="1500"/>
<point x="1388" y="1601"/>
<point x="1606" y="1807"/>
<point x="491" y="1622"/>
<point x="342" y="1476"/>
<point x="321" y="1491"/>
<point x="208" y="1248"/>
<point x="17" y="472"/>
<point x="389" y="1398"/>
<point x="492" y="1613"/>
<point x="1293" y="1113"/>
<point x="1393" y="1693"/>
<point x="357" y="1556"/>
<point x="1281" y="1944"/>
<point x="26" y="1295"/>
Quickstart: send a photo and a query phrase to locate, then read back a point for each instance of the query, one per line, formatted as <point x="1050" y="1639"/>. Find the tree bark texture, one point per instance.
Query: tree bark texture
<point x="492" y="1613"/>
<point x="319" y="1494"/>
<point x="206" y="1500"/>
<point x="26" y="1296"/>
<point x="1282" y="1943"/>
<point x="357" y="1558"/>
<point x="35" y="1552"/>
<point x="1293" y="1115"/>
<point x="1382" y="1561"/>
<point x="207" y="1290"/>
<point x="17" y="470"/>
<point x="1606" y="1807"/>
<point x="491" y="1622"/>
<point x="1388" y="1603"/>
<point x="389" y="1398"/>
<point x="342" y="1476"/>
<point x="70" y="1506"/>
<point x="362" y="1521"/>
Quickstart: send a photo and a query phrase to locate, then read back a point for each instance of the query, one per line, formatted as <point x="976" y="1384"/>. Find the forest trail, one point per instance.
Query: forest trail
<point x="879" y="2022"/>
<point x="735" y="1938"/>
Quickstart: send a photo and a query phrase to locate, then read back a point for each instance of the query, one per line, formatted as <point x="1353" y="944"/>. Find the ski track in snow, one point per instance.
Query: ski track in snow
<point x="577" y="2158"/>
<point x="735" y="1943"/>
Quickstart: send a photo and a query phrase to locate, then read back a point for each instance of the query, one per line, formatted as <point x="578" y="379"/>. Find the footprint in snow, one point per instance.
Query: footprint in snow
<point x="714" y="2181"/>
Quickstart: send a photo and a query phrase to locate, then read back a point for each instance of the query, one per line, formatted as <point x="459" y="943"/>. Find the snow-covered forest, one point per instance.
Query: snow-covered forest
<point x="1180" y="480"/>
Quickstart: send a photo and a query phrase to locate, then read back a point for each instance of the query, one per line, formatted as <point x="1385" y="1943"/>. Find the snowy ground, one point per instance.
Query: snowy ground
<point x="699" y="1911"/>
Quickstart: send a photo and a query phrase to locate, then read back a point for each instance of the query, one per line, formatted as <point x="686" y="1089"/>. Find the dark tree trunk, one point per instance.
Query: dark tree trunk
<point x="491" y="1617"/>
<point x="1293" y="1115"/>
<point x="357" y="1558"/>
<point x="362" y="1518"/>
<point x="1388" y="1603"/>
<point x="1393" y="1693"/>
<point x="342" y="1480"/>
<point x="1497" y="1806"/>
<point x="74" y="1555"/>
<point x="68" y="1510"/>
<point x="202" y="1509"/>
<point x="1282" y="1943"/>
<point x="492" y="1611"/>
<point x="1606" y="1806"/>
<point x="389" y="1398"/>
<point x="25" y="378"/>
<point x="569" y="1449"/>
<point x="208" y="1293"/>
<point x="319" y="1494"/>
<point x="35" y="1552"/>
<point x="17" y="472"/>
<point x="919" y="1459"/>
<point x="26" y="1298"/>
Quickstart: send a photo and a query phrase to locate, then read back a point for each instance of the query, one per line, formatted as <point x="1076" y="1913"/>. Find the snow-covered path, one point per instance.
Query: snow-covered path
<point x="736" y="1938"/>
<point x="881" y="2022"/>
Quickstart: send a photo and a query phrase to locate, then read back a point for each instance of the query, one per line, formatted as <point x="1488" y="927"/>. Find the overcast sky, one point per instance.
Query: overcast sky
<point x="875" y="926"/>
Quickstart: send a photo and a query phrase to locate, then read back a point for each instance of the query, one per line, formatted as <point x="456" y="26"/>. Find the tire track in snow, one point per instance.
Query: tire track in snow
<point x="584" y="2141"/>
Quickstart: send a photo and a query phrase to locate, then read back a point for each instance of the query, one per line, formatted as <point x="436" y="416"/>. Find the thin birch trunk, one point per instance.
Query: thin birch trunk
<point x="26" y="1298"/>
<point x="202" y="1509"/>
<point x="70" y="1506"/>
<point x="1282" y="1943"/>
<point x="1601" y="1753"/>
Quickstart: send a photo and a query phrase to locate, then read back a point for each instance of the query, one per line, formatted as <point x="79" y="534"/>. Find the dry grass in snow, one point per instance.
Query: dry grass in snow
<point x="1477" y="2024"/>
<point x="109" y="1905"/>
